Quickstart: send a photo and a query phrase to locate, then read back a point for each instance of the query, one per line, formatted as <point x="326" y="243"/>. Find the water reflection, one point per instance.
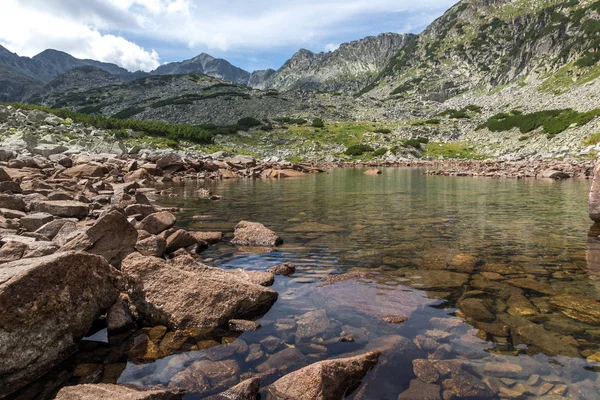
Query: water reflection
<point x="498" y="279"/>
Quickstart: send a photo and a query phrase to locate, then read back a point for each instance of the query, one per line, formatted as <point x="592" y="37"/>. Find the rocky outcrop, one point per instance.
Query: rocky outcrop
<point x="111" y="237"/>
<point x="255" y="234"/>
<point x="115" y="392"/>
<point x="349" y="68"/>
<point x="183" y="294"/>
<point x="46" y="305"/>
<point x="325" y="380"/>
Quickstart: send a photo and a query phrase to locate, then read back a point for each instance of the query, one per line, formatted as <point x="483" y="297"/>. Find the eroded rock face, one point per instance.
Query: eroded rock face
<point x="115" y="392"/>
<point x="46" y="305"/>
<point x="111" y="237"/>
<point x="255" y="234"/>
<point x="181" y="293"/>
<point x="325" y="380"/>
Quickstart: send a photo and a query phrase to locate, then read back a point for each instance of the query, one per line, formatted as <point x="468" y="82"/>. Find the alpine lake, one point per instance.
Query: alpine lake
<point x="471" y="287"/>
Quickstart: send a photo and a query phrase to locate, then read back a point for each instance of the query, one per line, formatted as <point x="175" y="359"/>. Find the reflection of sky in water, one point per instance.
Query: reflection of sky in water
<point x="403" y="227"/>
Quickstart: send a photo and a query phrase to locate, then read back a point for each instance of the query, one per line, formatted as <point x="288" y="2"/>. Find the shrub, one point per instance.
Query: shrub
<point x="432" y="121"/>
<point x="246" y="123"/>
<point x="552" y="121"/>
<point x="358" y="150"/>
<point x="384" y="131"/>
<point x="318" y="123"/>
<point x="380" y="152"/>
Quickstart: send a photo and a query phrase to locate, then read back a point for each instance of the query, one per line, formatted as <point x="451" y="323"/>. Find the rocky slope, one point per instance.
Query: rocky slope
<point x="348" y="69"/>
<point x="488" y="43"/>
<point x="15" y="85"/>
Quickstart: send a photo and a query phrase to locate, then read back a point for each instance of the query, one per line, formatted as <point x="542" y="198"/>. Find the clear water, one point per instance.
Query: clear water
<point x="425" y="244"/>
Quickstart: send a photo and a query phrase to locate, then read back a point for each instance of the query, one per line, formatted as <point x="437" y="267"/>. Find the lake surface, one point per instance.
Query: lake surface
<point x="492" y="275"/>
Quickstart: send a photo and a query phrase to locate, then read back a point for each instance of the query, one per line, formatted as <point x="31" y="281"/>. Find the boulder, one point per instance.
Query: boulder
<point x="10" y="186"/>
<point x="157" y="222"/>
<point x="12" y="251"/>
<point x="33" y="222"/>
<point x="208" y="237"/>
<point x="554" y="174"/>
<point x="119" y="317"/>
<point x="255" y="234"/>
<point x="51" y="229"/>
<point x="419" y="390"/>
<point x="246" y="390"/>
<point x="12" y="202"/>
<point x="111" y="237"/>
<point x="581" y="308"/>
<point x="181" y="293"/>
<point x="325" y="380"/>
<point x="373" y="172"/>
<point x="207" y="376"/>
<point x="171" y="162"/>
<point x="62" y="208"/>
<point x="285" y="269"/>
<point x="261" y="278"/>
<point x="4" y="176"/>
<point x="86" y="170"/>
<point x="114" y="392"/>
<point x="180" y="239"/>
<point x="152" y="246"/>
<point x="594" y="196"/>
<point x="46" y="305"/>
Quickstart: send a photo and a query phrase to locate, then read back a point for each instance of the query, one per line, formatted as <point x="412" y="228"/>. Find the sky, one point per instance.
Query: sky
<point x="251" y="34"/>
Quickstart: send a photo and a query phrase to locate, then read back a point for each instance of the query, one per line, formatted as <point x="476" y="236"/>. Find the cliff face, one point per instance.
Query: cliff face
<point x="348" y="69"/>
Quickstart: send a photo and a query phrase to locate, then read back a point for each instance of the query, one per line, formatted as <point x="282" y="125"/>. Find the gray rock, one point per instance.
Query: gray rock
<point x="33" y="222"/>
<point x="46" y="305"/>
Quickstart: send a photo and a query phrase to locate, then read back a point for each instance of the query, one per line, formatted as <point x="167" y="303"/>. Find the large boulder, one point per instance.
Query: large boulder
<point x="181" y="293"/>
<point x="111" y="237"/>
<point x="246" y="390"/>
<point x="46" y="305"/>
<point x="255" y="234"/>
<point x="157" y="222"/>
<point x="594" y="197"/>
<point x="325" y="380"/>
<point x="86" y="170"/>
<point x="12" y="202"/>
<point x="62" y="208"/>
<point x="114" y="392"/>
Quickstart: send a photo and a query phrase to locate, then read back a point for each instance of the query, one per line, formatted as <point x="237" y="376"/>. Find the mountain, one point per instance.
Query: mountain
<point x="15" y="85"/>
<point x="61" y="62"/>
<point x="49" y="64"/>
<point x="208" y="65"/>
<point x="348" y="69"/>
<point x="78" y="79"/>
<point x="485" y="44"/>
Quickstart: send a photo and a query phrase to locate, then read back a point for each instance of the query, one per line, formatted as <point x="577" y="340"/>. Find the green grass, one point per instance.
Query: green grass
<point x="592" y="140"/>
<point x="452" y="150"/>
<point x="358" y="150"/>
<point x="552" y="121"/>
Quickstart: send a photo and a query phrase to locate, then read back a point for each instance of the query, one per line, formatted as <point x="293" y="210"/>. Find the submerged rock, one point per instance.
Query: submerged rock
<point x="46" y="305"/>
<point x="285" y="269"/>
<point x="246" y="390"/>
<point x="419" y="390"/>
<point x="578" y="307"/>
<point x="181" y="293"/>
<point x="255" y="234"/>
<point x="114" y="392"/>
<point x="207" y="376"/>
<point x="325" y="380"/>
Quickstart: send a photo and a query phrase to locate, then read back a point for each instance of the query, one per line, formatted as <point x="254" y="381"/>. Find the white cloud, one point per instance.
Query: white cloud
<point x="28" y="31"/>
<point x="95" y="28"/>
<point x="332" y="46"/>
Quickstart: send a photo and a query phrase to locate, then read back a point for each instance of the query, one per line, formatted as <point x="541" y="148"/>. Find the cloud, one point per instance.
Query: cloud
<point x="28" y="31"/>
<point x="101" y="28"/>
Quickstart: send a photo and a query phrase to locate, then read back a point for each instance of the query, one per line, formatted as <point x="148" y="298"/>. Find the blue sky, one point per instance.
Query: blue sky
<point x="142" y="34"/>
